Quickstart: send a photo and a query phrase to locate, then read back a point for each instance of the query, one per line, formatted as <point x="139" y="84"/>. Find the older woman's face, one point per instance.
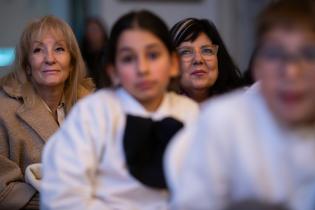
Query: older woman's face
<point x="49" y="60"/>
<point x="199" y="63"/>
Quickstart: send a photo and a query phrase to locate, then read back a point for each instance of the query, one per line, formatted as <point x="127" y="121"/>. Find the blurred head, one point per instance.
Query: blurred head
<point x="95" y="35"/>
<point x="48" y="55"/>
<point x="205" y="63"/>
<point x="285" y="62"/>
<point x="141" y="55"/>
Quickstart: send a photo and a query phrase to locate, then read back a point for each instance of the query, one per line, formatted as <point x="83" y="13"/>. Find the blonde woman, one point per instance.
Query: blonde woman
<point x="49" y="78"/>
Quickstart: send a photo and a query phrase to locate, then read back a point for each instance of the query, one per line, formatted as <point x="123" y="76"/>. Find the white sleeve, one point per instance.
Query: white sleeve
<point x="177" y="149"/>
<point x="33" y="175"/>
<point x="70" y="160"/>
<point x="303" y="197"/>
<point x="201" y="181"/>
<point x="175" y="154"/>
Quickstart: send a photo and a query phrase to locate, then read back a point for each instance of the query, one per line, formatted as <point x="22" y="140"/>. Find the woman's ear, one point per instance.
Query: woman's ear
<point x="112" y="73"/>
<point x="174" y="71"/>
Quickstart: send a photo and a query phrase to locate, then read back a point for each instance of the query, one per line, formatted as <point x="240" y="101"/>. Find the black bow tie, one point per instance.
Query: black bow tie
<point x="145" y="141"/>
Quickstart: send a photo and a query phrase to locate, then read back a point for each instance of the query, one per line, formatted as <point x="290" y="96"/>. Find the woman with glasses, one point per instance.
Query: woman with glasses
<point x="207" y="69"/>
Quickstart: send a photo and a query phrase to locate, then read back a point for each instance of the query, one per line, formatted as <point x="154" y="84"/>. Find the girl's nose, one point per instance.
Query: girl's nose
<point x="143" y="67"/>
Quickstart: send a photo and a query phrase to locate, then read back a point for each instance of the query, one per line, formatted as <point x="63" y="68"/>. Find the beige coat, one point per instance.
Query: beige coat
<point x="25" y="126"/>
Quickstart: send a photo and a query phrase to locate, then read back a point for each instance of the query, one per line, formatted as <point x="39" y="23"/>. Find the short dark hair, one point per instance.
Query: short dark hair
<point x="287" y="14"/>
<point x="188" y="30"/>
<point x="142" y="19"/>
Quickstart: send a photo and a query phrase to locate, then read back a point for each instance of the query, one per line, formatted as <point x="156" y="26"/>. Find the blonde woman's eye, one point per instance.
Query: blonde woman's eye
<point x="36" y="50"/>
<point x="60" y="49"/>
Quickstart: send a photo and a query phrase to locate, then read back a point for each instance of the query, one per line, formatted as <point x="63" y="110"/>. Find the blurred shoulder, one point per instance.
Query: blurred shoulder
<point x="225" y="106"/>
<point x="11" y="86"/>
<point x="11" y="97"/>
<point x="232" y="108"/>
<point x="181" y="101"/>
<point x="183" y="107"/>
<point x="101" y="97"/>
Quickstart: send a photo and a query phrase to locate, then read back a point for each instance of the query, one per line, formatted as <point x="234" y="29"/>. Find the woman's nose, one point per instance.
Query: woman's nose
<point x="50" y="57"/>
<point x="197" y="59"/>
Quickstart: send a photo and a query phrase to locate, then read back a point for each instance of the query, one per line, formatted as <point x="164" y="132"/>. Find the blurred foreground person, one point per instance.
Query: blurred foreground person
<point x="49" y="78"/>
<point x="259" y="145"/>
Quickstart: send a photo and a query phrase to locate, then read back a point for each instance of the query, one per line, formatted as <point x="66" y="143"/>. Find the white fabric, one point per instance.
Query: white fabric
<point x="61" y="113"/>
<point x="237" y="151"/>
<point x="83" y="163"/>
<point x="33" y="175"/>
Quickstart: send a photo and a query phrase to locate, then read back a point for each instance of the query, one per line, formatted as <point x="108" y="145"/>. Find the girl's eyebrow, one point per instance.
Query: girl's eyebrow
<point x="124" y="49"/>
<point x="153" y="45"/>
<point x="150" y="46"/>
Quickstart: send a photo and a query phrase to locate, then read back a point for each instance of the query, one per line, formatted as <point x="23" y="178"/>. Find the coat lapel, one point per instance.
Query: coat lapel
<point x="35" y="114"/>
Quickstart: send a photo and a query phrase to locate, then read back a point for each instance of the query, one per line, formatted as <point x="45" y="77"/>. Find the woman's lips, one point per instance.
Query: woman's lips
<point x="50" y="71"/>
<point x="198" y="73"/>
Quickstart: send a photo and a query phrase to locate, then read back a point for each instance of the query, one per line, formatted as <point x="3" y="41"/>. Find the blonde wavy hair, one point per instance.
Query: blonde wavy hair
<point x="77" y="85"/>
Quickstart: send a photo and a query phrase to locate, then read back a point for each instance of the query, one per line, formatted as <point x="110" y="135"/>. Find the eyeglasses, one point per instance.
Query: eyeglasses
<point x="207" y="52"/>
<point x="278" y="56"/>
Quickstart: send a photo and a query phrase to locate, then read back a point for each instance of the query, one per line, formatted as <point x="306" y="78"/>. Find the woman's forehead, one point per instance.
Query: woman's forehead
<point x="201" y="39"/>
<point x="42" y="32"/>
